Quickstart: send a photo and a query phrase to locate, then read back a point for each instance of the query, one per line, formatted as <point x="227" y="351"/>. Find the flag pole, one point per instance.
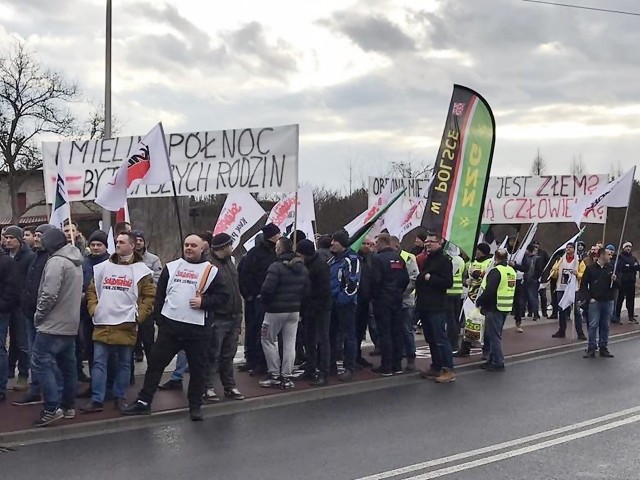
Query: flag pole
<point x="73" y="239"/>
<point x="173" y="184"/>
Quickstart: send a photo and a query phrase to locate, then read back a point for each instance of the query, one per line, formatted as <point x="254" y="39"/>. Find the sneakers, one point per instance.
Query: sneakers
<point x="605" y="353"/>
<point x="47" y="417"/>
<point x="346" y="376"/>
<point x="270" y="382"/>
<point x="171" y="385"/>
<point x="137" y="408"/>
<point x="22" y="385"/>
<point x="233" y="393"/>
<point x="28" y="399"/>
<point x="590" y="354"/>
<point x="92" y="407"/>
<point x="195" y="413"/>
<point x="430" y="374"/>
<point x="447" y="376"/>
<point x="68" y="413"/>
<point x="558" y="335"/>
<point x="210" y="396"/>
<point x="381" y="372"/>
<point x="319" y="381"/>
<point x="633" y="320"/>
<point x="287" y="383"/>
<point x="519" y="330"/>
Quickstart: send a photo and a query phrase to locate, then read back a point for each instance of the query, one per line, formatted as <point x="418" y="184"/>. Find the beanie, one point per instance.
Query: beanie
<point x="98" y="236"/>
<point x="299" y="236"/>
<point x="611" y="247"/>
<point x="305" y="247"/>
<point x="44" y="228"/>
<point x="14" y="231"/>
<point x="221" y="241"/>
<point x="138" y="234"/>
<point x="484" y="248"/>
<point x="342" y="238"/>
<point x="270" y="230"/>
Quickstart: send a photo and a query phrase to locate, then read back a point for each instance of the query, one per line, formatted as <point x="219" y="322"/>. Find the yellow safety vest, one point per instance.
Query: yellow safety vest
<point x="457" y="288"/>
<point x="506" y="289"/>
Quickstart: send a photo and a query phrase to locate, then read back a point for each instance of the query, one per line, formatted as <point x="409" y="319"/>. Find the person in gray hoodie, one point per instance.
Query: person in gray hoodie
<point x="57" y="319"/>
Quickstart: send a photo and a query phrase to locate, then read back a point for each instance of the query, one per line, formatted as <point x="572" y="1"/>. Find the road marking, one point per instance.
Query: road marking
<point x="502" y="446"/>
<point x="525" y="450"/>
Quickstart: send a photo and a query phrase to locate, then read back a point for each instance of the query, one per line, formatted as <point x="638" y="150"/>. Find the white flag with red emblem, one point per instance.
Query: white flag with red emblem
<point x="149" y="165"/>
<point x="240" y="212"/>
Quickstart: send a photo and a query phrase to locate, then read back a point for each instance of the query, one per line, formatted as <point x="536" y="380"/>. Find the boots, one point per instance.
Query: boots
<point x="447" y="376"/>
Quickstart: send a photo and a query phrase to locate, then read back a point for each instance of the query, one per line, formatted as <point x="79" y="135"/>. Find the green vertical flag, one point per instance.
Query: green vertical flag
<point x="357" y="239"/>
<point x="457" y="192"/>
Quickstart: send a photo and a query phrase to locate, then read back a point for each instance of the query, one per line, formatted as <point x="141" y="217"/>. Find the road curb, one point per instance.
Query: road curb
<point x="167" y="417"/>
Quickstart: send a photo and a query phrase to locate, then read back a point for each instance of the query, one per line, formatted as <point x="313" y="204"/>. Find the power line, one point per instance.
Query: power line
<point x="582" y="7"/>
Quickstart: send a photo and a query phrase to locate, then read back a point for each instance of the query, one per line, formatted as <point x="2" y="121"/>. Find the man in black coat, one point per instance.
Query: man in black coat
<point x="252" y="272"/>
<point x="434" y="279"/>
<point x="364" y="317"/>
<point x="285" y="286"/>
<point x="316" y="315"/>
<point x="627" y="272"/>
<point x="389" y="280"/>
<point x="8" y="298"/>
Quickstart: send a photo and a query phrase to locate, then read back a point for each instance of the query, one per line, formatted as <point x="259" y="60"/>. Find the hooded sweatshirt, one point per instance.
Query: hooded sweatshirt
<point x="58" y="308"/>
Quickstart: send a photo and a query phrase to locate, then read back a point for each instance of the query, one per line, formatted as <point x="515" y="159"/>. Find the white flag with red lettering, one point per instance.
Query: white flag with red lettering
<point x="240" y="212"/>
<point x="149" y="165"/>
<point x="283" y="213"/>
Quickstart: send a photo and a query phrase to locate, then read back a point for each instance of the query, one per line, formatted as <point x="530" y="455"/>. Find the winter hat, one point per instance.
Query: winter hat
<point x="44" y="228"/>
<point x="305" y="247"/>
<point x="581" y="244"/>
<point x="138" y="234"/>
<point x="484" y="248"/>
<point x="611" y="247"/>
<point x="299" y="236"/>
<point x="53" y="240"/>
<point x="342" y="238"/>
<point x="221" y="241"/>
<point x="98" y="236"/>
<point x="627" y="244"/>
<point x="570" y="244"/>
<point x="270" y="230"/>
<point x="14" y="231"/>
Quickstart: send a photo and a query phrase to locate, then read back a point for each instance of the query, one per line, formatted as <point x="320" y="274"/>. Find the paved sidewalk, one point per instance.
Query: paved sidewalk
<point x="536" y="337"/>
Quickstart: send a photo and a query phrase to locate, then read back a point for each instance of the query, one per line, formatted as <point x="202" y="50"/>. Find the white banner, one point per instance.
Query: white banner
<point x="240" y="212"/>
<point x="517" y="200"/>
<point x="203" y="163"/>
<point x="283" y="213"/>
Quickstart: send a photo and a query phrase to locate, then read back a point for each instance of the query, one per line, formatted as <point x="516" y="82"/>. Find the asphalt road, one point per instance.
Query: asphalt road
<point x="481" y="427"/>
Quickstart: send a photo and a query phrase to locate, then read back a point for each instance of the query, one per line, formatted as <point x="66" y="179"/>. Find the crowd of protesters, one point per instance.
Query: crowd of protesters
<point x="310" y="304"/>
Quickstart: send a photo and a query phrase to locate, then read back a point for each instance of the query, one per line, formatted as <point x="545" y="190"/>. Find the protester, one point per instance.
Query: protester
<point x="519" y="304"/>
<point x="324" y="247"/>
<point x="344" y="268"/>
<point x="29" y="301"/>
<point x="316" y="315"/>
<point x="561" y="272"/>
<point x="408" y="305"/>
<point x="418" y="244"/>
<point x="57" y="318"/>
<point x="454" y="298"/>
<point x="285" y="286"/>
<point x="252" y="272"/>
<point x="18" y="343"/>
<point x="122" y="227"/>
<point x="544" y="258"/>
<point x="120" y="296"/>
<point x="627" y="273"/>
<point x="189" y="290"/>
<point x="435" y="278"/>
<point x="389" y="279"/>
<point x="71" y="231"/>
<point x="598" y="285"/>
<point x="364" y="315"/>
<point x="227" y="320"/>
<point x="495" y="303"/>
<point x="28" y="234"/>
<point x="9" y="295"/>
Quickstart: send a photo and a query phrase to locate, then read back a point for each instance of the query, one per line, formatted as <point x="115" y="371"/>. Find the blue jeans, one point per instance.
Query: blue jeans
<point x="493" y="325"/>
<point x="34" y="388"/>
<point x="4" y="357"/>
<point x="253" y="317"/>
<point x="53" y="363"/>
<point x="599" y="318"/>
<point x="407" y="332"/>
<point x="532" y="289"/>
<point x="18" y="344"/>
<point x="181" y="367"/>
<point x="434" y="326"/>
<point x="122" y="355"/>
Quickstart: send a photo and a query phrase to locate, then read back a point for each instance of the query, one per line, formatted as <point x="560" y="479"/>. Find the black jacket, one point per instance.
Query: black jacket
<point x="229" y="273"/>
<point x="364" y="289"/>
<point x="596" y="283"/>
<point x="252" y="269"/>
<point x="23" y="259"/>
<point x="9" y="292"/>
<point x="488" y="299"/>
<point x="538" y="268"/>
<point x="287" y="283"/>
<point x="431" y="295"/>
<point x="319" y="298"/>
<point x="627" y="269"/>
<point x="29" y="295"/>
<point x="389" y="277"/>
<point x="217" y="294"/>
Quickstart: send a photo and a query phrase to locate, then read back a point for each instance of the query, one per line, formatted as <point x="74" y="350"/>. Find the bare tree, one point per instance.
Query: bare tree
<point x="32" y="102"/>
<point x="539" y="166"/>
<point x="94" y="126"/>
<point x="577" y="166"/>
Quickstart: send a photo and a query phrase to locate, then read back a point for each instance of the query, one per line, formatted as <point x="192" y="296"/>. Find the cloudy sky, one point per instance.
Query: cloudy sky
<point x="369" y="81"/>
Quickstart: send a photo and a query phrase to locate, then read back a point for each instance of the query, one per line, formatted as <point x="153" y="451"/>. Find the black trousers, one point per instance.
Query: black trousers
<point x="544" y="304"/>
<point x="389" y="322"/>
<point x="454" y="308"/>
<point x="146" y="336"/>
<point x="518" y="308"/>
<point x="626" y="293"/>
<point x="317" y="324"/>
<point x="166" y="347"/>
<point x="222" y="351"/>
<point x="365" y="320"/>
